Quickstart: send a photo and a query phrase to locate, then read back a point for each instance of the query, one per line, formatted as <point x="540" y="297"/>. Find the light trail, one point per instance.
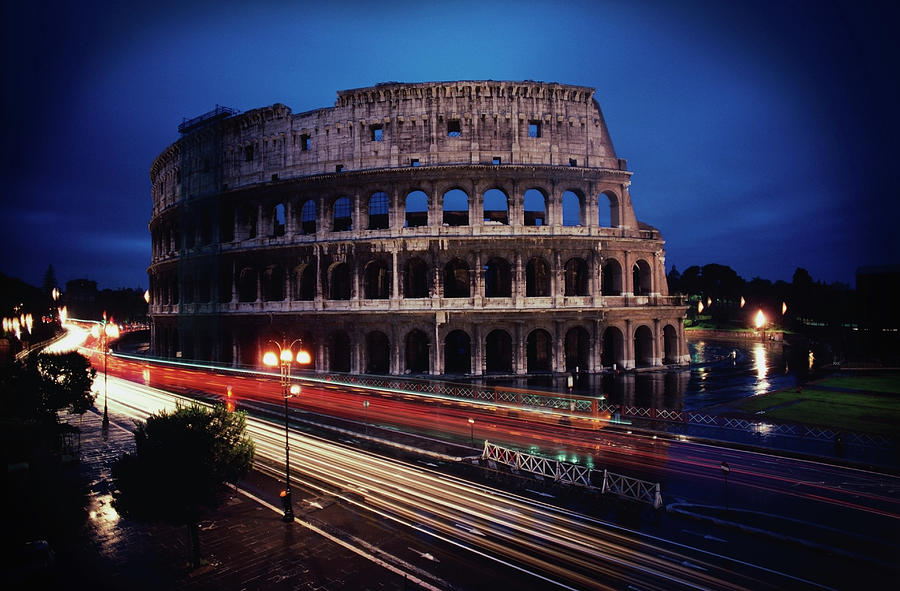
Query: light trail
<point x="563" y="548"/>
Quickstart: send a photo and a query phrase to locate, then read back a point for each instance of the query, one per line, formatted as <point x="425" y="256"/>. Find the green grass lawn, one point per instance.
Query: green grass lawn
<point x="842" y="411"/>
<point x="884" y="384"/>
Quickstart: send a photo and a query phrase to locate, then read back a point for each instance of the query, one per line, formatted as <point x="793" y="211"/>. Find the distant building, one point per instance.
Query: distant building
<point x="80" y="298"/>
<point x="470" y="227"/>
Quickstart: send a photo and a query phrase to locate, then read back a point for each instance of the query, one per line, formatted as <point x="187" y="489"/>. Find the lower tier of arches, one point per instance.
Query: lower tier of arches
<point x="436" y="343"/>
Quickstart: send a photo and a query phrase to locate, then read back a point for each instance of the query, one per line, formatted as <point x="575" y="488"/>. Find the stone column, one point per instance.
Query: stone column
<point x="477" y="350"/>
<point x="628" y="346"/>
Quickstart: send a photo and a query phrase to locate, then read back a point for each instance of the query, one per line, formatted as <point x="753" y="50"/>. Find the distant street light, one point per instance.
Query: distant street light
<point x="472" y="431"/>
<point x="283" y="359"/>
<point x="725" y="470"/>
<point x="104" y="331"/>
<point x="366" y="407"/>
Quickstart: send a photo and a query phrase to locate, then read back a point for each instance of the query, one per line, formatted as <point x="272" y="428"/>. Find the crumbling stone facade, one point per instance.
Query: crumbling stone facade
<point x="472" y="227"/>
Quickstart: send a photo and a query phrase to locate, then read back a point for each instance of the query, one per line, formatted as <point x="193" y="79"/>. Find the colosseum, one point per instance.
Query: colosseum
<point x="469" y="228"/>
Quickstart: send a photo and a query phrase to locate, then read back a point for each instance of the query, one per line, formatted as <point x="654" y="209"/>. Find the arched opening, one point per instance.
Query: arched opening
<point x="497" y="281"/>
<point x="670" y="344"/>
<point x="378" y="353"/>
<point x="641" y="277"/>
<point x="378" y="281"/>
<point x="273" y="284"/>
<point x="613" y="348"/>
<point x="608" y="210"/>
<point x="572" y="209"/>
<point x="496" y="207"/>
<point x="456" y="279"/>
<point x="643" y="347"/>
<point x="247" y="221"/>
<point x="540" y="351"/>
<point x="578" y="349"/>
<point x="498" y="352"/>
<point x="343" y="215"/>
<point x="415" y="279"/>
<point x="417" y="352"/>
<point x="534" y="205"/>
<point x="576" y="277"/>
<point x="537" y="278"/>
<point x="378" y="211"/>
<point x="416" y="209"/>
<point x="247" y="285"/>
<point x="306" y="283"/>
<point x="308" y="217"/>
<point x="457" y="353"/>
<point x="339" y="352"/>
<point x="456" y="208"/>
<point x="612" y="278"/>
<point x="339" y="282"/>
<point x="278" y="220"/>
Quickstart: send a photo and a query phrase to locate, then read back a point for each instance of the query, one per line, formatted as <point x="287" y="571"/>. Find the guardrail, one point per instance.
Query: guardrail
<point x="569" y="473"/>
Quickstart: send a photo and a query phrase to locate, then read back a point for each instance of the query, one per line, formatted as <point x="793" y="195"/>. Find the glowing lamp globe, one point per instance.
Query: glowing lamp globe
<point x="270" y="359"/>
<point x="303" y="357"/>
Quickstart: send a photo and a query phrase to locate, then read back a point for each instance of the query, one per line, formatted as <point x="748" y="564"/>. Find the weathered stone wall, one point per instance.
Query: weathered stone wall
<point x="255" y="232"/>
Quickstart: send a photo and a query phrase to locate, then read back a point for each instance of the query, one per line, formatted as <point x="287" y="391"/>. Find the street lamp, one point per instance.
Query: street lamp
<point x="760" y="322"/>
<point x="472" y="430"/>
<point x="104" y="331"/>
<point x="283" y="359"/>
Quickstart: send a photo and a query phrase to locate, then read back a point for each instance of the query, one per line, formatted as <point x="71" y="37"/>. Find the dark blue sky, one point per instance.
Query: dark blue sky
<point x="762" y="135"/>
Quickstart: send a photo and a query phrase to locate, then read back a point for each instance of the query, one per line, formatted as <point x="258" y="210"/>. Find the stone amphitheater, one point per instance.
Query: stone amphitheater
<point x="469" y="228"/>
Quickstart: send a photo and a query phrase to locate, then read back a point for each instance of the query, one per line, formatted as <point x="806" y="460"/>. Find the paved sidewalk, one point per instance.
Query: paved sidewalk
<point x="246" y="545"/>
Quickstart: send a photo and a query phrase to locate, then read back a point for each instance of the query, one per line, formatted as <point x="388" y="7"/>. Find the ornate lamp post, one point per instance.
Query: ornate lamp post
<point x="283" y="359"/>
<point x="104" y="331"/>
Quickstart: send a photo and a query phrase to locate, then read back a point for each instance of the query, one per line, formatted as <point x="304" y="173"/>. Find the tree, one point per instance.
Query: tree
<point x="49" y="282"/>
<point x="181" y="463"/>
<point x="65" y="382"/>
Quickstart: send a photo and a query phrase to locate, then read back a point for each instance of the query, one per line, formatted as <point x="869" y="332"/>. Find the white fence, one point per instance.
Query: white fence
<point x="569" y="473"/>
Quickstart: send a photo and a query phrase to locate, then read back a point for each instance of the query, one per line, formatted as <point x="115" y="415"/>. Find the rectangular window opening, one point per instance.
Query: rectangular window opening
<point x="573" y="162"/>
<point x="339" y="168"/>
<point x="305" y="143"/>
<point x="534" y="129"/>
<point x="413" y="161"/>
<point x="377" y="133"/>
<point x="495" y="160"/>
<point x="454" y="128"/>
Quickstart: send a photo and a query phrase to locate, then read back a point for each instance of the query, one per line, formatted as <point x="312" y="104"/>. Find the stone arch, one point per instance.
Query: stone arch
<point x="576" y="277"/>
<point x="497" y="278"/>
<point x="379" y="211"/>
<point x="572" y="208"/>
<point x="537" y="278"/>
<point x="643" y="346"/>
<point x="642" y="278"/>
<point x="498" y="352"/>
<point x="613" y="348"/>
<point x="456" y="279"/>
<point x="578" y="349"/>
<point x="378" y="353"/>
<point x="416" y="279"/>
<point x="496" y="207"/>
<point x="308" y="217"/>
<point x="273" y="284"/>
<point x="247" y="281"/>
<point x="339" y="351"/>
<point x="457" y="353"/>
<point x="539" y="351"/>
<point x="342" y="210"/>
<point x="340" y="282"/>
<point x="612" y="278"/>
<point x="305" y="289"/>
<point x="534" y="208"/>
<point x="608" y="210"/>
<point x="455" y="208"/>
<point x="670" y="344"/>
<point x="416" y="207"/>
<point x="377" y="280"/>
<point x="278" y="220"/>
<point x="417" y="346"/>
